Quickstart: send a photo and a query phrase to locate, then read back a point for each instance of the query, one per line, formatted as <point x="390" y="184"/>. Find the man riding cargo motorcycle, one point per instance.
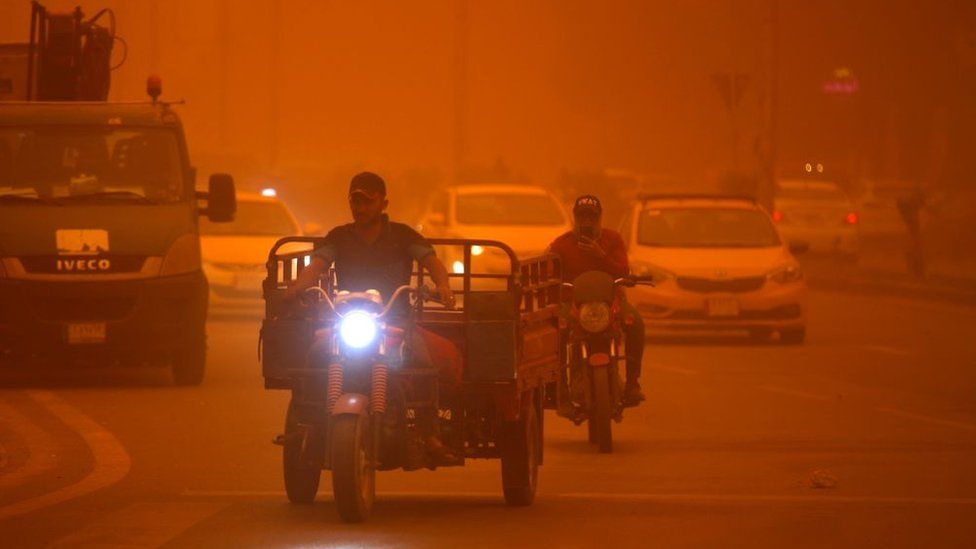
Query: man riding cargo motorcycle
<point x="374" y="253"/>
<point x="590" y="248"/>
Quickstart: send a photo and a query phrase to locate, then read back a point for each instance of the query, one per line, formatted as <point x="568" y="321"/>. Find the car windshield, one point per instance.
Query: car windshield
<point x="826" y="194"/>
<point x="253" y="219"/>
<point x="706" y="228"/>
<point x="108" y="164"/>
<point x="508" y="209"/>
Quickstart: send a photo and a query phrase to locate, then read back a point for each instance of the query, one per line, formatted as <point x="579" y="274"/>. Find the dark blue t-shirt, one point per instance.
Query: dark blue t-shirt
<point x="383" y="265"/>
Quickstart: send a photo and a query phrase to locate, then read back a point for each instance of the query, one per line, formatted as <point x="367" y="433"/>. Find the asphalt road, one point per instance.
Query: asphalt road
<point x="865" y="436"/>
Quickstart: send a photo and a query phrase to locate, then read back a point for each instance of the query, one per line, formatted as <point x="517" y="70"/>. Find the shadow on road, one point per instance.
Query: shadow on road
<point x="80" y="376"/>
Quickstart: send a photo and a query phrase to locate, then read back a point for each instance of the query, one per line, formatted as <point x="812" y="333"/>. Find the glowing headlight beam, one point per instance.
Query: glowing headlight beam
<point x="358" y="329"/>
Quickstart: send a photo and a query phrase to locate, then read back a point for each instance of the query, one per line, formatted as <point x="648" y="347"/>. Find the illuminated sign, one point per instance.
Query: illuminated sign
<point x="841" y="82"/>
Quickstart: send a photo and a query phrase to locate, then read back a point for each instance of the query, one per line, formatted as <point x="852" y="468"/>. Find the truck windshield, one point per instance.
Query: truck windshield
<point x="58" y="164"/>
<point x="508" y="209"/>
<point x="705" y="228"/>
<point x="253" y="219"/>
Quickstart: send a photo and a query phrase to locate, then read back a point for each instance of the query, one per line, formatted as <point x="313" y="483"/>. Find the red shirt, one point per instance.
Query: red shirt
<point x="576" y="261"/>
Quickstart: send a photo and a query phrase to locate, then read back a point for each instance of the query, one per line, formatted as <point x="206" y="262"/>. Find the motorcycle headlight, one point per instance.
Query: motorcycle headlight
<point x="594" y="317"/>
<point x="785" y="275"/>
<point x="358" y="329"/>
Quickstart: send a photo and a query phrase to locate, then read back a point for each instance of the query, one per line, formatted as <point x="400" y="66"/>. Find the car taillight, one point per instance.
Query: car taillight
<point x="851" y="218"/>
<point x="777" y="216"/>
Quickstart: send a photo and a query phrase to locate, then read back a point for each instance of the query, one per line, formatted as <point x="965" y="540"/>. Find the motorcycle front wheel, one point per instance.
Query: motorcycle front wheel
<point x="599" y="423"/>
<point x="353" y="471"/>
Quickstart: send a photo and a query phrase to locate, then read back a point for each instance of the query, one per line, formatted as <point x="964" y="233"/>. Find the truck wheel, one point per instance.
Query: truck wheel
<point x="190" y="363"/>
<point x="353" y="472"/>
<point x="519" y="447"/>
<point x="601" y="431"/>
<point x="301" y="478"/>
<point x="793" y="337"/>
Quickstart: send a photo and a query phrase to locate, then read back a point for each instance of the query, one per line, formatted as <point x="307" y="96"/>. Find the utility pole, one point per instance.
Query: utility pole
<point x="772" y="107"/>
<point x="275" y="73"/>
<point x="223" y="60"/>
<point x="460" y="86"/>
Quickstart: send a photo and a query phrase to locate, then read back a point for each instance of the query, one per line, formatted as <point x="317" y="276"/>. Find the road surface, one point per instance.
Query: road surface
<point x="865" y="436"/>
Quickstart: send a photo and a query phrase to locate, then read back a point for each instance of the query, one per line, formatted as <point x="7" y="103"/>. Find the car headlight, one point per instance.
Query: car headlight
<point x="786" y="275"/>
<point x="594" y="316"/>
<point x="646" y="269"/>
<point x="358" y="329"/>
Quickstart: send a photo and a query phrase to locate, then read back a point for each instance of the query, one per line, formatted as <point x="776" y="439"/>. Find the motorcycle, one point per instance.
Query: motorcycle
<point x="361" y="405"/>
<point x="594" y="347"/>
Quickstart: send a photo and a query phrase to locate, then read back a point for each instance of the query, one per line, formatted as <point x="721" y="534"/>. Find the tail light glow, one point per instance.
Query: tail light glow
<point x="851" y="218"/>
<point x="777" y="216"/>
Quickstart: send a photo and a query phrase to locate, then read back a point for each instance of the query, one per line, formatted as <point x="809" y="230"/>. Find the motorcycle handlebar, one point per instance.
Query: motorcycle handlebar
<point x="386" y="309"/>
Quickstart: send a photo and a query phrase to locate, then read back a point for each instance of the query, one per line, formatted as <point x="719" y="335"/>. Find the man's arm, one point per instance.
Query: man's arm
<point x="438" y="273"/>
<point x="613" y="259"/>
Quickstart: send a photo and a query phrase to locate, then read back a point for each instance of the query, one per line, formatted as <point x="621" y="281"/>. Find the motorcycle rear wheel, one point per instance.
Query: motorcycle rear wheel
<point x="301" y="478"/>
<point x="520" y="453"/>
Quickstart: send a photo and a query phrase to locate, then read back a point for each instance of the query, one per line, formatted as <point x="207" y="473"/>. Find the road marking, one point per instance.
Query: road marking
<point x="111" y="462"/>
<point x="928" y="419"/>
<point x="325" y="495"/>
<point x="631" y="497"/>
<point x="793" y="392"/>
<point x="885" y="350"/>
<point x="40" y="444"/>
<point x="767" y="498"/>
<point x="674" y="369"/>
<point x="141" y="525"/>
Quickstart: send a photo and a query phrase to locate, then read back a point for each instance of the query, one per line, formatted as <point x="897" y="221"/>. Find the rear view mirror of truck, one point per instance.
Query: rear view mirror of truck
<point x="221" y="198"/>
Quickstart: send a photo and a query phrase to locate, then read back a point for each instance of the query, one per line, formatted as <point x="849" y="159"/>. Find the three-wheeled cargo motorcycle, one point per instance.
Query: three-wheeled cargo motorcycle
<point x="357" y="398"/>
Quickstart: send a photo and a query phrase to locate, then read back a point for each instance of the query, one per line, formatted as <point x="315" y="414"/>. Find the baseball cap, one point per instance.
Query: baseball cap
<point x="367" y="183"/>
<point x="588" y="202"/>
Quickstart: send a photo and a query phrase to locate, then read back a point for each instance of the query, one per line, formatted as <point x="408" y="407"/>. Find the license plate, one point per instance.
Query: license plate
<point x="84" y="333"/>
<point x="722" y="307"/>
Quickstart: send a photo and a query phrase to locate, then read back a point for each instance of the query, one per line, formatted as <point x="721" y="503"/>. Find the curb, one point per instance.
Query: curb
<point x="864" y="285"/>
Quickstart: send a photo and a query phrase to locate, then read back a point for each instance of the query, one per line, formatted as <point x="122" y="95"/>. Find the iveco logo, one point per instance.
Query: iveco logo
<point x="74" y="265"/>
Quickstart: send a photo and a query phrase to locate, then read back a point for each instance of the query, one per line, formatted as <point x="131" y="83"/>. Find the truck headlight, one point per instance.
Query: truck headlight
<point x="358" y="329"/>
<point x="787" y="274"/>
<point x="182" y="257"/>
<point x="594" y="316"/>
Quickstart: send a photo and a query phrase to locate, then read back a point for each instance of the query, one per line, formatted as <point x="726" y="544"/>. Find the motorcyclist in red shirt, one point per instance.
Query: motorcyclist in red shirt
<point x="590" y="247"/>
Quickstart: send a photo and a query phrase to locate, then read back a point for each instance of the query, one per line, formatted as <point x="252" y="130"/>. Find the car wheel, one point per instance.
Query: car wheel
<point x="794" y="336"/>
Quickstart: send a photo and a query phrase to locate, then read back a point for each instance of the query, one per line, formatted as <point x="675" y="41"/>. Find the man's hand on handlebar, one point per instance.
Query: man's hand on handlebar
<point x="446" y="296"/>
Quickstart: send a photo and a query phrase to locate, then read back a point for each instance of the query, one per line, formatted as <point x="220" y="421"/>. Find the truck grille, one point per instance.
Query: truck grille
<point x="80" y="309"/>
<point x="706" y="285"/>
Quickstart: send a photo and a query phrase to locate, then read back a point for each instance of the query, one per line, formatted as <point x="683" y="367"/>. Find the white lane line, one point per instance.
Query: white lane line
<point x="628" y="497"/>
<point x="793" y="392"/>
<point x="39" y="443"/>
<point x="885" y="350"/>
<point x="325" y="495"/>
<point x="111" y="462"/>
<point x="768" y="498"/>
<point x="141" y="525"/>
<point x="673" y="369"/>
<point x="928" y="419"/>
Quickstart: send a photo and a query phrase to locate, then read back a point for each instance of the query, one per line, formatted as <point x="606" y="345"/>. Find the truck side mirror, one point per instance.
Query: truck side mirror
<point x="799" y="247"/>
<point x="221" y="199"/>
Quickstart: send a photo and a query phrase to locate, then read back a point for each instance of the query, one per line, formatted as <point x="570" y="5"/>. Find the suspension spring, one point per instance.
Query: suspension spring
<point x="334" y="390"/>
<point x="377" y="396"/>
